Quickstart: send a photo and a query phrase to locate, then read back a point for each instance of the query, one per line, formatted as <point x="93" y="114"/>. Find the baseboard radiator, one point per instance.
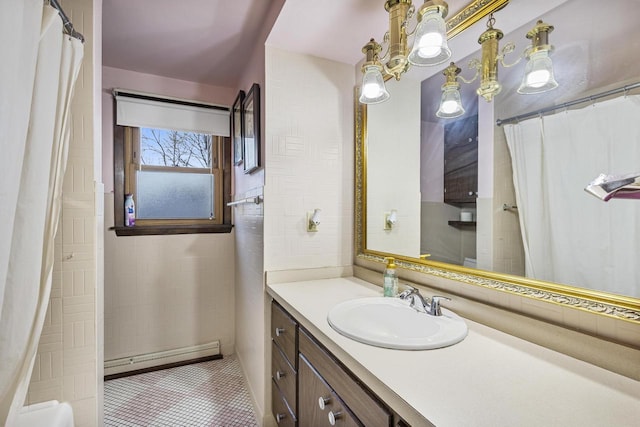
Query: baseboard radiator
<point x="149" y="360"/>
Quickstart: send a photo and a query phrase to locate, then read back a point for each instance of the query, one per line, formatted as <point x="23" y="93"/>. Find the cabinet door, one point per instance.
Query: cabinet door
<point x="284" y="376"/>
<point x="281" y="411"/>
<point x="284" y="331"/>
<point x="318" y="404"/>
<point x="461" y="161"/>
<point x="365" y="406"/>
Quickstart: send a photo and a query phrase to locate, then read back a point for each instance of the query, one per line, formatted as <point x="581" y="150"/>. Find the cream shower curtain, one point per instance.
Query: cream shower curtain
<point x="570" y="236"/>
<point x="39" y="68"/>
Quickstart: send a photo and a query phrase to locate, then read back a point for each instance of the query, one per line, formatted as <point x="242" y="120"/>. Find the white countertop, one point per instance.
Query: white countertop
<point x="489" y="379"/>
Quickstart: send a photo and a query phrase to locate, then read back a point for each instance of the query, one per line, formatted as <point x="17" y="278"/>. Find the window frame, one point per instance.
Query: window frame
<point x="125" y="138"/>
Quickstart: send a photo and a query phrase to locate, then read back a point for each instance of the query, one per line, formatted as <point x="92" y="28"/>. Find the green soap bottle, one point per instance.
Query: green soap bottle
<point x="390" y="284"/>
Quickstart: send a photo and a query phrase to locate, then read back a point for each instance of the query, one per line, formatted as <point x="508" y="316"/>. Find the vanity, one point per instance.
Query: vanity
<point x="489" y="379"/>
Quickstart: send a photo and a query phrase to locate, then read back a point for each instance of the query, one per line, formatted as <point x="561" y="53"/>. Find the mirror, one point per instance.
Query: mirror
<point x="400" y="169"/>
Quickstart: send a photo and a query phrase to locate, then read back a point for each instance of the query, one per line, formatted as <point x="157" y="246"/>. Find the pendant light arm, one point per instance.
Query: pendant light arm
<point x="506" y="50"/>
<point x="474" y="64"/>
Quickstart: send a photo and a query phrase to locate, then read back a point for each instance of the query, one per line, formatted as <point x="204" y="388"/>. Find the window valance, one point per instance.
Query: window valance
<point x="148" y="111"/>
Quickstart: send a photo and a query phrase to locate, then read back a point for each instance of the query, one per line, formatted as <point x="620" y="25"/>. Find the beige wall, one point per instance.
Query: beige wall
<point x="393" y="156"/>
<point x="163" y="292"/>
<point x="68" y="362"/>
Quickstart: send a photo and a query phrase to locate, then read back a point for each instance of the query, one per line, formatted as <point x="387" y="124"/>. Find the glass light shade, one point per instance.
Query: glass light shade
<point x="450" y="104"/>
<point x="538" y="74"/>
<point x="430" y="44"/>
<point x="373" y="89"/>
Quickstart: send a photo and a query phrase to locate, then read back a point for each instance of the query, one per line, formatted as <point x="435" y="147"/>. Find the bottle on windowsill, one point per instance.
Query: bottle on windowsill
<point x="129" y="211"/>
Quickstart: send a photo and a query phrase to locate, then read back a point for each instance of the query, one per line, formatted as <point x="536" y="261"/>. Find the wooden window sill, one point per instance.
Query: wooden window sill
<point x="153" y="230"/>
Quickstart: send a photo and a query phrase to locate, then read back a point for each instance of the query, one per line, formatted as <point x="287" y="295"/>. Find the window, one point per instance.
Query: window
<point x="178" y="177"/>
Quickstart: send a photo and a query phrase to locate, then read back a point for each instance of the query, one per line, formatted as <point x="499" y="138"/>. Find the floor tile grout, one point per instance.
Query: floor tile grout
<point x="211" y="393"/>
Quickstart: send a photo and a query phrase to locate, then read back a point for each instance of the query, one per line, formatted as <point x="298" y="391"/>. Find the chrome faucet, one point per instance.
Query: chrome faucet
<point x="417" y="301"/>
<point x="607" y="187"/>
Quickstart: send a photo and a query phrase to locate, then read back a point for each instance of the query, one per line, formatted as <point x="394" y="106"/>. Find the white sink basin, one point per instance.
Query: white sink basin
<point x="392" y="323"/>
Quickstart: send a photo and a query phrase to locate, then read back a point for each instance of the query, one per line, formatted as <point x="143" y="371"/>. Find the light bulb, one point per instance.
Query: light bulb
<point x="538" y="74"/>
<point x="430" y="45"/>
<point x="538" y="78"/>
<point x="449" y="106"/>
<point x="371" y="90"/>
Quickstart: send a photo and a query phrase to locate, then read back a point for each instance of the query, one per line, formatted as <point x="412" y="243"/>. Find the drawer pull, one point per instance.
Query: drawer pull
<point x="333" y="417"/>
<point x="280" y="375"/>
<point x="323" y="401"/>
<point x="279" y="331"/>
<point x="280" y="417"/>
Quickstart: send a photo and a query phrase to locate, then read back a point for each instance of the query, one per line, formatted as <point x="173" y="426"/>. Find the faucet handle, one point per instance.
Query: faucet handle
<point x="407" y="292"/>
<point x="434" y="306"/>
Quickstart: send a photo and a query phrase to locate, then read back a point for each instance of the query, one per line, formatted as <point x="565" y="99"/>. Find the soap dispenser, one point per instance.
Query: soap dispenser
<point x="390" y="284"/>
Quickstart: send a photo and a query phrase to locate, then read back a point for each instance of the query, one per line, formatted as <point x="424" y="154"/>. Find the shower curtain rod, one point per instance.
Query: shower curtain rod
<point x="516" y="119"/>
<point x="66" y="23"/>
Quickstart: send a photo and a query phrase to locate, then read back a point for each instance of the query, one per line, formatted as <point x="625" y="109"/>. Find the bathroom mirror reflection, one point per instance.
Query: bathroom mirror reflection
<point x="476" y="224"/>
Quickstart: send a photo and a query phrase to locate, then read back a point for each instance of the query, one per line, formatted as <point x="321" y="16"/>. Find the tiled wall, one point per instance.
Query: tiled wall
<point x="66" y="365"/>
<point x="309" y="153"/>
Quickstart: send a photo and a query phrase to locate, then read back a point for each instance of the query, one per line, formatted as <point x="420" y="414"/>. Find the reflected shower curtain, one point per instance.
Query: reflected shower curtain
<point x="569" y="236"/>
<point x="39" y="69"/>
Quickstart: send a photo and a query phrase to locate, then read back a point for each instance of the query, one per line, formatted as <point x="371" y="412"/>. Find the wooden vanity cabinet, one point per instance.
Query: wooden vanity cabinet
<point x="318" y="403"/>
<point x="284" y="372"/>
<point x="348" y="395"/>
<point x="317" y="389"/>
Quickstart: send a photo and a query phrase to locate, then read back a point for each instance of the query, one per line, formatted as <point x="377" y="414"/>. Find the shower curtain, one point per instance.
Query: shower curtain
<point x="39" y="68"/>
<point x="570" y="236"/>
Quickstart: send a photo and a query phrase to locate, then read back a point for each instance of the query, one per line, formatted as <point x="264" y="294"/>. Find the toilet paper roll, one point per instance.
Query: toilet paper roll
<point x="466" y="216"/>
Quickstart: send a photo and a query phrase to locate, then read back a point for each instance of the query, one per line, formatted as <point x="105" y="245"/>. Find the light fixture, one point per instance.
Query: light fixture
<point x="538" y="73"/>
<point x="313" y="220"/>
<point x="373" y="89"/>
<point x="430" y="42"/>
<point x="429" y="47"/>
<point x="538" y="76"/>
<point x="390" y="219"/>
<point x="451" y="103"/>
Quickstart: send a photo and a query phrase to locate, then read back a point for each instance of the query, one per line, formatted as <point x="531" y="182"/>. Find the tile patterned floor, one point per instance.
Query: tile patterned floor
<point x="208" y="394"/>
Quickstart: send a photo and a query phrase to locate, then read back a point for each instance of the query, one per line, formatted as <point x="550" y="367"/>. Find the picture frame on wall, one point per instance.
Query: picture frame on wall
<point x="251" y="126"/>
<point x="237" y="128"/>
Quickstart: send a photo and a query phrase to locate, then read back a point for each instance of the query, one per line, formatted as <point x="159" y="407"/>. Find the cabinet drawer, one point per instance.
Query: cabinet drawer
<point x="319" y="405"/>
<point x="281" y="412"/>
<point x="364" y="405"/>
<point x="284" y="332"/>
<point x="284" y="376"/>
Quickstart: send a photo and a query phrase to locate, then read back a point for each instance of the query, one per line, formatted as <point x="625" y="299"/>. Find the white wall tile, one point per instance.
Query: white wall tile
<point x="309" y="153"/>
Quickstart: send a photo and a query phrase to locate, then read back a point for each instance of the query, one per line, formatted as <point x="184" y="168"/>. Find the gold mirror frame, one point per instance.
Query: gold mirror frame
<point x="604" y="303"/>
<point x="618" y="306"/>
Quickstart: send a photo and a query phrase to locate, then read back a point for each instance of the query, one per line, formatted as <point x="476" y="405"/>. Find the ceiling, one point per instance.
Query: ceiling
<point x="208" y="41"/>
<point x="203" y="41"/>
<point x="211" y="41"/>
